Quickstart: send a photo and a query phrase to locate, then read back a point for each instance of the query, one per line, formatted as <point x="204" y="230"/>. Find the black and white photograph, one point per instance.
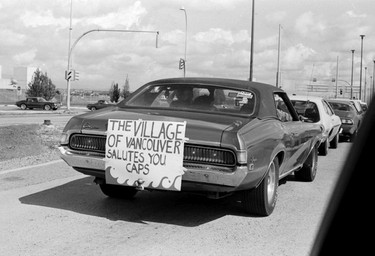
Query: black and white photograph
<point x="186" y="127"/>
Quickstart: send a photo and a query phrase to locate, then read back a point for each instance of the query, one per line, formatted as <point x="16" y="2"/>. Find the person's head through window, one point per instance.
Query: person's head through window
<point x="184" y="97"/>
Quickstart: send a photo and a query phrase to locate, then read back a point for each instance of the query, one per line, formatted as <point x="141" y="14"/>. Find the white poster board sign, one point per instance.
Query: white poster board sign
<point x="147" y="153"/>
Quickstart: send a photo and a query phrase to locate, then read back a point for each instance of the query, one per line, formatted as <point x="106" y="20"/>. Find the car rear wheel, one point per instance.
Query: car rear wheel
<point x="334" y="143"/>
<point x="47" y="107"/>
<point x="323" y="148"/>
<point x="23" y="106"/>
<point x="262" y="200"/>
<point x="309" y="168"/>
<point x="118" y="191"/>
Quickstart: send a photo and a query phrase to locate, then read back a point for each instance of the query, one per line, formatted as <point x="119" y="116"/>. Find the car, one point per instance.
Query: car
<point x="99" y="105"/>
<point x="211" y="136"/>
<point x="37" y="102"/>
<point x="350" y="118"/>
<point x="317" y="110"/>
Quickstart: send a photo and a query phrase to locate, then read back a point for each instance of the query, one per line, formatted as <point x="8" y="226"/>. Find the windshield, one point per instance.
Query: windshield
<point x="197" y="97"/>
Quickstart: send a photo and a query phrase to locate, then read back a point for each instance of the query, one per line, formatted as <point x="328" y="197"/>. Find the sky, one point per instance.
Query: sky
<point x="315" y="36"/>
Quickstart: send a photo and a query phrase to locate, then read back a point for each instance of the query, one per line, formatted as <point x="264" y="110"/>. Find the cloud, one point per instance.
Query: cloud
<point x="223" y="37"/>
<point x="26" y="57"/>
<point x="124" y="17"/>
<point x="351" y="14"/>
<point x="45" y="18"/>
<point x="296" y="56"/>
<point x="11" y="38"/>
<point x="276" y="17"/>
<point x="309" y="26"/>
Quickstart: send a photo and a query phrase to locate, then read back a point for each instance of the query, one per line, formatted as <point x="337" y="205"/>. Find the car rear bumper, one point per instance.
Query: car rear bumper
<point x="196" y="177"/>
<point x="348" y="130"/>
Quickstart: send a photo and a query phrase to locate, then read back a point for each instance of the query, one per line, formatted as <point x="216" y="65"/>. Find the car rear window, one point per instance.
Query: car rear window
<point x="196" y="97"/>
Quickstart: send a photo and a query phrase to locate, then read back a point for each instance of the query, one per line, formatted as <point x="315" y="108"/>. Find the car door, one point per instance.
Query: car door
<point x="334" y="120"/>
<point x="293" y="132"/>
<point x="32" y="103"/>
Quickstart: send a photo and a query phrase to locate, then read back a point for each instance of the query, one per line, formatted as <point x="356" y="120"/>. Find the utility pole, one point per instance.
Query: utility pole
<point x="337" y="75"/>
<point x="360" y="71"/>
<point x="351" y="79"/>
<point x="278" y="59"/>
<point x="252" y="43"/>
<point x="68" y="67"/>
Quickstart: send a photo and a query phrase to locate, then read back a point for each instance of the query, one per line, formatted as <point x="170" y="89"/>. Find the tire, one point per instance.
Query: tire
<point x="47" y="107"/>
<point x="262" y="200"/>
<point x="334" y="143"/>
<point x="23" y="106"/>
<point x="323" y="148"/>
<point x="309" y="168"/>
<point x="118" y="191"/>
<point x="93" y="108"/>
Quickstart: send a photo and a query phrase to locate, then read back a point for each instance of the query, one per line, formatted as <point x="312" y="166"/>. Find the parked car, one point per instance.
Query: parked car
<point x="350" y="118"/>
<point x="204" y="135"/>
<point x="37" y="102"/>
<point x="317" y="110"/>
<point x="99" y="105"/>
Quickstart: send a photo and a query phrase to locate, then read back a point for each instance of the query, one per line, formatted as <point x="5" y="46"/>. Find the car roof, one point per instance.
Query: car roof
<point x="262" y="90"/>
<point x="221" y="82"/>
<point x="340" y="101"/>
<point x="306" y="98"/>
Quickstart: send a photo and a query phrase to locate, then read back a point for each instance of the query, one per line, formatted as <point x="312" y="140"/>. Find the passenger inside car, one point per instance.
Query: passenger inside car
<point x="184" y="97"/>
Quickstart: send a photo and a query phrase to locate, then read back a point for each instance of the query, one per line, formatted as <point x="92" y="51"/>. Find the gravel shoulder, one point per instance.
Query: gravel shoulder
<point x="26" y="145"/>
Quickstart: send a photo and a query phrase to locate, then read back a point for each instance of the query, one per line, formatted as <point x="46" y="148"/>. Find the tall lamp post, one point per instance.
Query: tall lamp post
<point x="360" y="72"/>
<point x="365" y="89"/>
<point x="68" y="67"/>
<point x="351" y="79"/>
<point x="101" y="30"/>
<point x="373" y="80"/>
<point x="252" y="43"/>
<point x="184" y="10"/>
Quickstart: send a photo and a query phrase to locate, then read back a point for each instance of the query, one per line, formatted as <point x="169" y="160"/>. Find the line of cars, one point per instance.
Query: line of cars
<point x="211" y="136"/>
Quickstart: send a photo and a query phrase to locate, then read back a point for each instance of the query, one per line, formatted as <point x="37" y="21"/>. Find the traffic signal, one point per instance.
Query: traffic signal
<point x="69" y="74"/>
<point x="340" y="91"/>
<point x="75" y="75"/>
<point x="182" y="64"/>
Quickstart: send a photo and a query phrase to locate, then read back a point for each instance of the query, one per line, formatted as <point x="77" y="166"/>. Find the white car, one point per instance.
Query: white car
<point x="318" y="110"/>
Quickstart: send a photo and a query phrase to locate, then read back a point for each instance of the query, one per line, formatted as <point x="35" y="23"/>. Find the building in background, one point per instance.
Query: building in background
<point x="21" y="77"/>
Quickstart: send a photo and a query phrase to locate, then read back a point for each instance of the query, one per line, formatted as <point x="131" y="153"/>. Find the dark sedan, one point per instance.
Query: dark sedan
<point x="99" y="105"/>
<point x="350" y="117"/>
<point x="204" y="135"/>
<point x="37" y="102"/>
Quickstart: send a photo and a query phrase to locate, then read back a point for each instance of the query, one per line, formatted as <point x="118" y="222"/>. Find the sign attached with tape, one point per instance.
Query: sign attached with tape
<point x="143" y="152"/>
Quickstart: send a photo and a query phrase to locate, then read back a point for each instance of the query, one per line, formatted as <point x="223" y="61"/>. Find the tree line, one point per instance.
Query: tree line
<point x="42" y="86"/>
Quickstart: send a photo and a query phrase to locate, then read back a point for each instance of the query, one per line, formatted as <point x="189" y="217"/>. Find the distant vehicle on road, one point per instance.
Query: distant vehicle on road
<point x="350" y="117"/>
<point x="99" y="105"/>
<point x="317" y="110"/>
<point x="204" y="135"/>
<point x="37" y="102"/>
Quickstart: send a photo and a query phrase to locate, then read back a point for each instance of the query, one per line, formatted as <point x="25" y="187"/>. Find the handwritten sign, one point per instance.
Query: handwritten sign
<point x="149" y="153"/>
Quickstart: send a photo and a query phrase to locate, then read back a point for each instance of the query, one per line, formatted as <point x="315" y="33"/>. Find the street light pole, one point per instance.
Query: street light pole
<point x="68" y="67"/>
<point x="102" y="30"/>
<point x="183" y="9"/>
<point x="351" y="80"/>
<point x="360" y="71"/>
<point x="373" y="80"/>
<point x="252" y="43"/>
<point x="365" y="89"/>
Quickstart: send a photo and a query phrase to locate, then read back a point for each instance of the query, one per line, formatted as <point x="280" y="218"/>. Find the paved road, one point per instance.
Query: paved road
<point x="12" y="115"/>
<point x="53" y="210"/>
